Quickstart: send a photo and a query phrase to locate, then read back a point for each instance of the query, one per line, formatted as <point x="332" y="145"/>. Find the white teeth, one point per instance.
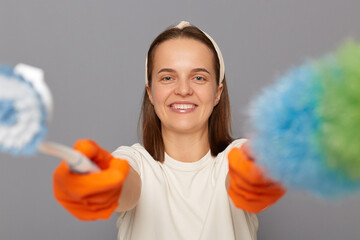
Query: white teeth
<point x="182" y="106"/>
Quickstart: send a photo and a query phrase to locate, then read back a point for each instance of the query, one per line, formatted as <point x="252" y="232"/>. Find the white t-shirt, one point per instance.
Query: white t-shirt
<point x="183" y="200"/>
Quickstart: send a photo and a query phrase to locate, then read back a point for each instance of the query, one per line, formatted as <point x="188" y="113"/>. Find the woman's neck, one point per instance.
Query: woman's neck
<point x="186" y="147"/>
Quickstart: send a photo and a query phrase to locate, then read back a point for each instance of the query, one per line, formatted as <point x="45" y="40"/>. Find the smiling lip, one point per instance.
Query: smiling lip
<point x="182" y="107"/>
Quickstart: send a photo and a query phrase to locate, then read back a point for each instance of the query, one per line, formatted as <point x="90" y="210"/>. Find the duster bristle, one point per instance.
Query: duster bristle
<point x="302" y="125"/>
<point x="22" y="114"/>
<point x="340" y="109"/>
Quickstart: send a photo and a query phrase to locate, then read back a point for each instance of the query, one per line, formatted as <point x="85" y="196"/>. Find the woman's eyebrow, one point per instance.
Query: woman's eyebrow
<point x="166" y="70"/>
<point x="201" y="70"/>
<point x="195" y="70"/>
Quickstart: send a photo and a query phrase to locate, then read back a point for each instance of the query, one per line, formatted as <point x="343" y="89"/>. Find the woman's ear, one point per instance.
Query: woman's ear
<point x="148" y="91"/>
<point x="218" y="93"/>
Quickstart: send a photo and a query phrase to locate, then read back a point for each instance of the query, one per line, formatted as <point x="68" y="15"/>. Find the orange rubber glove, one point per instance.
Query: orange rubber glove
<point x="95" y="195"/>
<point x="249" y="188"/>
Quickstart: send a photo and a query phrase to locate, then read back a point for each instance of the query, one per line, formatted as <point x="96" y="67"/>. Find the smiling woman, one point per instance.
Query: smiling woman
<point x="189" y="179"/>
<point x="184" y="92"/>
<point x="205" y="52"/>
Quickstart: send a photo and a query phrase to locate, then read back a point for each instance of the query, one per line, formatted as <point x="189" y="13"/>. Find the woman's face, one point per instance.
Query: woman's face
<point x="184" y="89"/>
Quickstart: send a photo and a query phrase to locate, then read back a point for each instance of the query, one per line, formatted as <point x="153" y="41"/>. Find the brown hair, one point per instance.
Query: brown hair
<point x="219" y="121"/>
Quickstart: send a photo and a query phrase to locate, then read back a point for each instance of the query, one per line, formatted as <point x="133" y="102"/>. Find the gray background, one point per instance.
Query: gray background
<point x="93" y="55"/>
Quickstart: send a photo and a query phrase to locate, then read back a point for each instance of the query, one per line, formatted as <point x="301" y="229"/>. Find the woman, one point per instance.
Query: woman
<point x="179" y="182"/>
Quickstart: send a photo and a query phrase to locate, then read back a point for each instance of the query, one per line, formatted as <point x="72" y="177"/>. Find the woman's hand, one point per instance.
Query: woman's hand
<point x="249" y="188"/>
<point x="95" y="195"/>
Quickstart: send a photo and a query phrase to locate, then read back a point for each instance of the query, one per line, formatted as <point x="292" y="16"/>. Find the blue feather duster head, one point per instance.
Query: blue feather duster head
<point x="23" y="114"/>
<point x="289" y="127"/>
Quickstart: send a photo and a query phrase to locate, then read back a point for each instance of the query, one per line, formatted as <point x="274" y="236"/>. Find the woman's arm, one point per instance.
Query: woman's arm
<point x="97" y="195"/>
<point x="130" y="192"/>
<point x="247" y="185"/>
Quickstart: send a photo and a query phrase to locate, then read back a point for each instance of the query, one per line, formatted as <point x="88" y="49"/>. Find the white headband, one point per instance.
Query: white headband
<point x="183" y="24"/>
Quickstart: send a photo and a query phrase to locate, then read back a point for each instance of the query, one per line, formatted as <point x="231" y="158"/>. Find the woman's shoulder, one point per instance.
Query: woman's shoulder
<point x="136" y="148"/>
<point x="135" y="151"/>
<point x="136" y="155"/>
<point x="236" y="143"/>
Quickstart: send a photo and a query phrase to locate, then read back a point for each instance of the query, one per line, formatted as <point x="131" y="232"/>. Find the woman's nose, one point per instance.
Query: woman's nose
<point x="183" y="87"/>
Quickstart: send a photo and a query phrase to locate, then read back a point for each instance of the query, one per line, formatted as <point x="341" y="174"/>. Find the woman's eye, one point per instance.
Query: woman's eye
<point x="167" y="78"/>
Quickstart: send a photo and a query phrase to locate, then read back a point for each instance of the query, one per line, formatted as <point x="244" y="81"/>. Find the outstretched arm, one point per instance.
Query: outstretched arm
<point x="130" y="192"/>
<point x="97" y="195"/>
<point x="247" y="185"/>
